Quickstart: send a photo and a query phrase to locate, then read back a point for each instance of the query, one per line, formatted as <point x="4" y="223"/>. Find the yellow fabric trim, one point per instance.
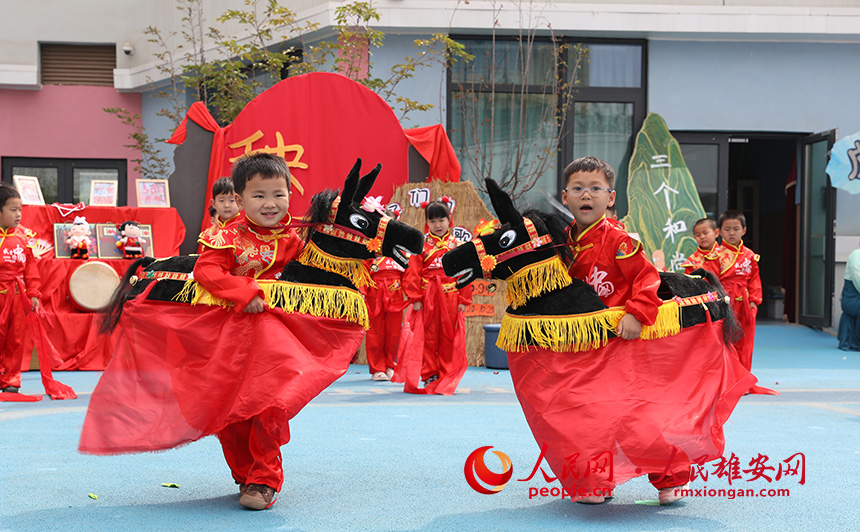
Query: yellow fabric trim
<point x="579" y="332"/>
<point x="317" y="300"/>
<point x="589" y="228"/>
<point x="635" y="250"/>
<point x="536" y="279"/>
<point x="352" y="269"/>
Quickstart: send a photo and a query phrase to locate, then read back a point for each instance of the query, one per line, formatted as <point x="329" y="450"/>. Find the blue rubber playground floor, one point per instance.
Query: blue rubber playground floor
<point x="365" y="456"/>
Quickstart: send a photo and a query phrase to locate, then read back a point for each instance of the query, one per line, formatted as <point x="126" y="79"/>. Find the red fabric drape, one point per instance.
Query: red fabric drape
<point x="644" y="402"/>
<point x="434" y="145"/>
<point x="180" y="373"/>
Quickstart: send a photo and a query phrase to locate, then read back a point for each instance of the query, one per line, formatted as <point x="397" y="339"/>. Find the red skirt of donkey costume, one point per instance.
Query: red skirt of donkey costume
<point x="180" y="373"/>
<point x="630" y="408"/>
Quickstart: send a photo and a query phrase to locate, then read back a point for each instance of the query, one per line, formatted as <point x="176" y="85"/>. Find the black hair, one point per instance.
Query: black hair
<point x="590" y="164"/>
<point x="212" y="211"/>
<point x="732" y="214"/>
<point x="266" y="165"/>
<point x="712" y="224"/>
<point x="437" y="209"/>
<point x="6" y="193"/>
<point x="127" y="223"/>
<point x="223" y="186"/>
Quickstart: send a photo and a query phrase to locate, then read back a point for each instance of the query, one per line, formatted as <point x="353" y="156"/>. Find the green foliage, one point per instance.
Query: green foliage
<point x="151" y="164"/>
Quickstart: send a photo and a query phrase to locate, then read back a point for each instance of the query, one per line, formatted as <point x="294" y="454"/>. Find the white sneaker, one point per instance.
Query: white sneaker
<point x="673" y="494"/>
<point x="379" y="376"/>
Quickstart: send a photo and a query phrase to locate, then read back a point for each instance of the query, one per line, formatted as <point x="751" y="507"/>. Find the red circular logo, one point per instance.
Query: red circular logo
<point x="475" y="467"/>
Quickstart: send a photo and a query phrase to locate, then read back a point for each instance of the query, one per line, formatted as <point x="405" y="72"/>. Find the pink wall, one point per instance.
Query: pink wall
<point x="67" y="122"/>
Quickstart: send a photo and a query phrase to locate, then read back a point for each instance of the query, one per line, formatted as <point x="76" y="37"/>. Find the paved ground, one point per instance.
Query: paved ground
<point x="365" y="456"/>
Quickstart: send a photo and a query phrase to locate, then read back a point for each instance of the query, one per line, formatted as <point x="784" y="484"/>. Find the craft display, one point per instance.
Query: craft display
<point x="130" y="240"/>
<point x="72" y="240"/>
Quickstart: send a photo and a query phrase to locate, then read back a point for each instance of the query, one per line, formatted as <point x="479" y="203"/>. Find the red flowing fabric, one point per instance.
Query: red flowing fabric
<point x="647" y="403"/>
<point x="434" y="145"/>
<point x="180" y="373"/>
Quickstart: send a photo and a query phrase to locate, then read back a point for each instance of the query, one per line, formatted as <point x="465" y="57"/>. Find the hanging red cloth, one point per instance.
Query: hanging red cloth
<point x="605" y="416"/>
<point x="434" y="145"/>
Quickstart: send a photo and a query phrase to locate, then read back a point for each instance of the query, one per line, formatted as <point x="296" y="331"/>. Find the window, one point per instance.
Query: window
<point x="68" y="180"/>
<point x="503" y="110"/>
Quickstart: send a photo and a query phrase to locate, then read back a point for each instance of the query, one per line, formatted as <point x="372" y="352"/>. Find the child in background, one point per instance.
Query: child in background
<point x="705" y="232"/>
<point x="19" y="289"/>
<point x="385" y="306"/>
<point x="614" y="264"/>
<point x="739" y="276"/>
<point x="223" y="207"/>
<point x="434" y="294"/>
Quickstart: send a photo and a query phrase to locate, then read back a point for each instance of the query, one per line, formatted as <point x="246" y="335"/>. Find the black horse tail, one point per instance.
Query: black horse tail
<point x="113" y="311"/>
<point x="732" y="332"/>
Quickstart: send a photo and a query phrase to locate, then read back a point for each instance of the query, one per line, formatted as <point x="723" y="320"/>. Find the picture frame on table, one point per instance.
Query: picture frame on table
<point x="153" y="193"/>
<point x="103" y="192"/>
<point x="29" y="189"/>
<point x="108" y="235"/>
<point x="61" y="250"/>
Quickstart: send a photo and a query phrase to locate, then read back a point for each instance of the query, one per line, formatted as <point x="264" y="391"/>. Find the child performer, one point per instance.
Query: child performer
<point x="705" y="232"/>
<point x="739" y="276"/>
<point x="614" y="264"/>
<point x="19" y="284"/>
<point x="223" y="208"/>
<point x="385" y="306"/>
<point x="434" y="294"/>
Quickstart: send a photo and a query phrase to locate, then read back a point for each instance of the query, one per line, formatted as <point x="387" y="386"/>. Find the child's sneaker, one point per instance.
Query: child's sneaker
<point x="258" y="497"/>
<point x="9" y="389"/>
<point x="673" y="494"/>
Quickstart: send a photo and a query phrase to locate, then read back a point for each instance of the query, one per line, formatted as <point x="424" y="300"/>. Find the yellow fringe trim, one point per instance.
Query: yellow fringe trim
<point x="316" y="300"/>
<point x="536" y="279"/>
<point x="352" y="269"/>
<point x="579" y="332"/>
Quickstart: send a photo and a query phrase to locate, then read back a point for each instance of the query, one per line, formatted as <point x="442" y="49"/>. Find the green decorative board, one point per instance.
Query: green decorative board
<point x="662" y="197"/>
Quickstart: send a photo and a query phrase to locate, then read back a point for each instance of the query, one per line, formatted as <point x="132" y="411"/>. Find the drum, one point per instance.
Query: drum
<point x="92" y="285"/>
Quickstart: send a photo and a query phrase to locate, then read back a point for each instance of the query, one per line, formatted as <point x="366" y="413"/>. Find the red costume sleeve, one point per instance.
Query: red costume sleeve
<point x="33" y="281"/>
<point x="644" y="303"/>
<point x="755" y="283"/>
<point x="212" y="271"/>
<point x="412" y="278"/>
<point x="464" y="295"/>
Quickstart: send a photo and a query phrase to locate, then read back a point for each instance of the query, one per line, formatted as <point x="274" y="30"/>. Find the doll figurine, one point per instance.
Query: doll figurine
<point x="79" y="239"/>
<point x="131" y="244"/>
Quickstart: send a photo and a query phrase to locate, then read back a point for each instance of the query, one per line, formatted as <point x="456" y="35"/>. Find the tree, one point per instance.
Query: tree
<point x="510" y="105"/>
<point x="236" y="71"/>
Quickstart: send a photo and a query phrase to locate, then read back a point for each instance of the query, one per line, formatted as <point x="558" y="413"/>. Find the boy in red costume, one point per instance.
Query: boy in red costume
<point x="222" y="207"/>
<point x="256" y="246"/>
<point x="19" y="289"/>
<point x="705" y="232"/>
<point x="614" y="264"/>
<point x="385" y="306"/>
<point x="739" y="276"/>
<point x="434" y="294"/>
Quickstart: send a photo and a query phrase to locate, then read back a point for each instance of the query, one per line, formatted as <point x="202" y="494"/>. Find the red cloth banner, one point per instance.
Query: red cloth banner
<point x="630" y="408"/>
<point x="433" y="144"/>
<point x="180" y="373"/>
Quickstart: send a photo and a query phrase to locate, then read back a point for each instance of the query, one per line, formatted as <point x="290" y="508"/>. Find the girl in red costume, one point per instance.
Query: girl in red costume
<point x="19" y="289"/>
<point x="385" y="306"/>
<point x="442" y="305"/>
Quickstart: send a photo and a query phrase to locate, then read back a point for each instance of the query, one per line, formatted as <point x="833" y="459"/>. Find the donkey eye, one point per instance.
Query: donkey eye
<point x="508" y="238"/>
<point x="359" y="221"/>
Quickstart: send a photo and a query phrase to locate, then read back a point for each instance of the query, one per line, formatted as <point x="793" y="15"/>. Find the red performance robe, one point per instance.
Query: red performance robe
<point x="707" y="259"/>
<point x="614" y="264"/>
<point x="739" y="276"/>
<point x="180" y="372"/>
<point x="385" y="304"/>
<point x="213" y="229"/>
<point x="438" y="326"/>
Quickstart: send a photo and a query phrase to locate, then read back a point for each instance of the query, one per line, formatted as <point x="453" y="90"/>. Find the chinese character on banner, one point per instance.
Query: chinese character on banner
<point x="537" y="466"/>
<point x="671" y="229"/>
<point x="698" y="471"/>
<point x="677" y="259"/>
<point x="731" y="468"/>
<point x="660" y="161"/>
<point x="798" y="469"/>
<point x="462" y="234"/>
<point x="396" y="208"/>
<point x="417" y="196"/>
<point x="758" y="468"/>
<point x="666" y="189"/>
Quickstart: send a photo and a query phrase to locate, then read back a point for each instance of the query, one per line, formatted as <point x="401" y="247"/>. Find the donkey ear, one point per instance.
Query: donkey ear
<point x="366" y="184"/>
<point x="350" y="184"/>
<point x="502" y="204"/>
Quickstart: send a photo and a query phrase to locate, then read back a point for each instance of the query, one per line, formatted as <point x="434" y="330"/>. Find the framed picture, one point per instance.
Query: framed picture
<point x="107" y="236"/>
<point x="61" y="249"/>
<point x="103" y="192"/>
<point x="153" y="193"/>
<point x="28" y="187"/>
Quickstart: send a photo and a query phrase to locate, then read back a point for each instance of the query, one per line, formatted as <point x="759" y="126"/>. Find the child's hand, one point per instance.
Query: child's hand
<point x="629" y="327"/>
<point x="256" y="305"/>
<point x="417" y="306"/>
<point x="461" y="308"/>
<point x="753" y="306"/>
<point x="34" y="304"/>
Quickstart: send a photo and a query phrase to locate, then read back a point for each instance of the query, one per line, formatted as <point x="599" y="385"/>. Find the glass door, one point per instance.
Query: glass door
<point x="817" y="216"/>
